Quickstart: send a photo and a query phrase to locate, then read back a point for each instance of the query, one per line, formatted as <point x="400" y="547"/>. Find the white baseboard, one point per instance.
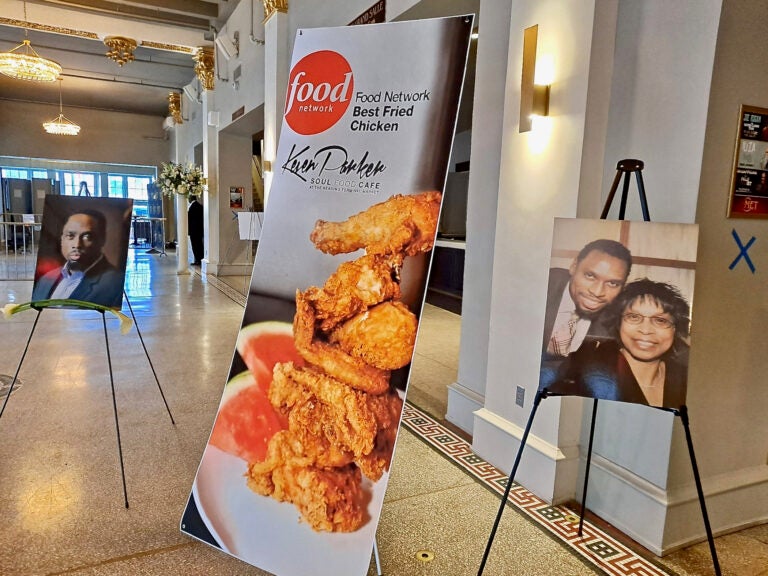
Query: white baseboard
<point x="665" y="521"/>
<point x="462" y="403"/>
<point x="222" y="269"/>
<point x="545" y="469"/>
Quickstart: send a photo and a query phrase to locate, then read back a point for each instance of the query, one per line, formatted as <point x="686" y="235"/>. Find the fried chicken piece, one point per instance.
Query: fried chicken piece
<point x="344" y="415"/>
<point x="329" y="499"/>
<point x="354" y="287"/>
<point x="383" y="336"/>
<point x="387" y="409"/>
<point x="332" y="360"/>
<point x="401" y="224"/>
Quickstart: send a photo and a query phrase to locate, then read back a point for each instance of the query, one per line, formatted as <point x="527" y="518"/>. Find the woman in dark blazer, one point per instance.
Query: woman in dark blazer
<point x="646" y="362"/>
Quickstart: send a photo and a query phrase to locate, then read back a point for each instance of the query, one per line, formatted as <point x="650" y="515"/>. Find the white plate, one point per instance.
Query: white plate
<point x="269" y="534"/>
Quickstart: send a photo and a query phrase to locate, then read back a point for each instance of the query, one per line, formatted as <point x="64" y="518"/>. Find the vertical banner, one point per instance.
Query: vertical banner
<point x="293" y="476"/>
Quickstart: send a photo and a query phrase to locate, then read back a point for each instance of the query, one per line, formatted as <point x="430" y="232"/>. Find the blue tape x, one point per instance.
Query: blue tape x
<point x="742" y="252"/>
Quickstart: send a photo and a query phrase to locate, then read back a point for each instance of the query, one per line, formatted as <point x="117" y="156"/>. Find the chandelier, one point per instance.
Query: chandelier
<point x="120" y="48"/>
<point x="204" y="67"/>
<point x="61" y="124"/>
<point x="26" y="64"/>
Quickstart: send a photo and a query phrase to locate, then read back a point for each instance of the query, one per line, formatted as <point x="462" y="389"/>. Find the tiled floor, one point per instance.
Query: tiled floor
<point x="61" y="501"/>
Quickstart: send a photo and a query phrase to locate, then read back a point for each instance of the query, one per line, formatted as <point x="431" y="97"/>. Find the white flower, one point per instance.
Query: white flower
<point x="9" y="309"/>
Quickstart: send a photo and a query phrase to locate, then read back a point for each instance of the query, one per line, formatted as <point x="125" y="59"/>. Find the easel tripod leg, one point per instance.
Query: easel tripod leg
<point x="510" y="480"/>
<point x="18" y="368"/>
<point x="114" y="407"/>
<point x="586" y="470"/>
<point x="684" y="419"/>
<point x="135" y="323"/>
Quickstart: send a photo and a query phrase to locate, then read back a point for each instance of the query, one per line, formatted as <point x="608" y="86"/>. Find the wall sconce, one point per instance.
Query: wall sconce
<point x="534" y="97"/>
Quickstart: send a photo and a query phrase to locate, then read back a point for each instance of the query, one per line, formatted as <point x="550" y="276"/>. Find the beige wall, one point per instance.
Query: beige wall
<point x="728" y="396"/>
<point x="109" y="137"/>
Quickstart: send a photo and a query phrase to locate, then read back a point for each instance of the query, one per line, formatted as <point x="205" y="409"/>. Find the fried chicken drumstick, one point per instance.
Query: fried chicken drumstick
<point x="401" y="224"/>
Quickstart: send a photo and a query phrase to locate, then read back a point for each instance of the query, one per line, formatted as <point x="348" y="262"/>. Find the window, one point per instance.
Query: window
<point x="116" y="186"/>
<point x="124" y="186"/>
<point x="13" y="173"/>
<point x="72" y="182"/>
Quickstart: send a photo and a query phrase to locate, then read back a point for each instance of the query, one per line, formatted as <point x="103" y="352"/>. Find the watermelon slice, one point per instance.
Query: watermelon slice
<point x="264" y="344"/>
<point x="246" y="420"/>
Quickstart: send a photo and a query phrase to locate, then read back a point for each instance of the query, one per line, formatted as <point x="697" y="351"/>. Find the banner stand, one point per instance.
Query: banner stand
<point x="376" y="557"/>
<point x="625" y="168"/>
<point x="111" y="382"/>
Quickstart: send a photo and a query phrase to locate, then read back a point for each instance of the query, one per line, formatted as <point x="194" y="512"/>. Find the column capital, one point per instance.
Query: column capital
<point x="273" y="6"/>
<point x="204" y="66"/>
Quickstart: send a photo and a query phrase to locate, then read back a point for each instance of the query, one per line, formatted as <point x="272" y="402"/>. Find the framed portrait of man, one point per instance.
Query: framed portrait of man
<point x="83" y="249"/>
<point x="618" y="312"/>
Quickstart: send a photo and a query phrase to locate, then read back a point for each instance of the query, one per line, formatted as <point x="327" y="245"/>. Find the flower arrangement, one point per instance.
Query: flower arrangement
<point x="181" y="179"/>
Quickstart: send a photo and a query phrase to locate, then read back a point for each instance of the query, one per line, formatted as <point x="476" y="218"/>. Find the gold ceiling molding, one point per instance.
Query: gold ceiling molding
<point x="91" y="35"/>
<point x="169" y="47"/>
<point x="120" y="49"/>
<point x="46" y="28"/>
<point x="273" y="6"/>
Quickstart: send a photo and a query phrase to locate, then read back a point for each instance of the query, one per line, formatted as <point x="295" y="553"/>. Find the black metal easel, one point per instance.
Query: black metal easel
<point x="623" y="168"/>
<point x="111" y="381"/>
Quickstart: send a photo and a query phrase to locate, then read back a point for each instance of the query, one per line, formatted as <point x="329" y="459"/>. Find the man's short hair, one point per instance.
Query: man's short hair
<point x="100" y="227"/>
<point x="610" y="247"/>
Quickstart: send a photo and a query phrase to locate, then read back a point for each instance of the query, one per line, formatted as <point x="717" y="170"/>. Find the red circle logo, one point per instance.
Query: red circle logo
<point x="319" y="91"/>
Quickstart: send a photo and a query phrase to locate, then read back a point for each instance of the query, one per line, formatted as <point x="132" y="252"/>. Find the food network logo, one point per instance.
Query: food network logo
<point x="319" y="91"/>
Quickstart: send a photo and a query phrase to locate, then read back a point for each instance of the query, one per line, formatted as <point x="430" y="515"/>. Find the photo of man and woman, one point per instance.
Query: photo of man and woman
<point x="618" y="311"/>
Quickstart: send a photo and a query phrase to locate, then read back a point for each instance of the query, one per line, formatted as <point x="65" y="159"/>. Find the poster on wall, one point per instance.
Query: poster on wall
<point x="618" y="311"/>
<point x="293" y="477"/>
<point x="83" y="249"/>
<point x="236" y="197"/>
<point x="749" y="183"/>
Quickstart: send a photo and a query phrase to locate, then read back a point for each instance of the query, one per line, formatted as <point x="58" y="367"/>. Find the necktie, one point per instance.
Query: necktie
<point x="560" y="343"/>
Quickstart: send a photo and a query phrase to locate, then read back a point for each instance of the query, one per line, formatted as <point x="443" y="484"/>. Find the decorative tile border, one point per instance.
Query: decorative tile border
<point x="595" y="546"/>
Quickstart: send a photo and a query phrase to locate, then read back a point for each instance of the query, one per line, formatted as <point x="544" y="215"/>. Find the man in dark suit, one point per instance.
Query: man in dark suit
<point x="195" y="228"/>
<point x="577" y="296"/>
<point x="575" y="299"/>
<point x="86" y="274"/>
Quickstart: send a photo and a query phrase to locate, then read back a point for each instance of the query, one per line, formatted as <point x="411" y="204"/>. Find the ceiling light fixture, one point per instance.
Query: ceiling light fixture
<point x="26" y="64"/>
<point x="61" y="124"/>
<point x="120" y="48"/>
